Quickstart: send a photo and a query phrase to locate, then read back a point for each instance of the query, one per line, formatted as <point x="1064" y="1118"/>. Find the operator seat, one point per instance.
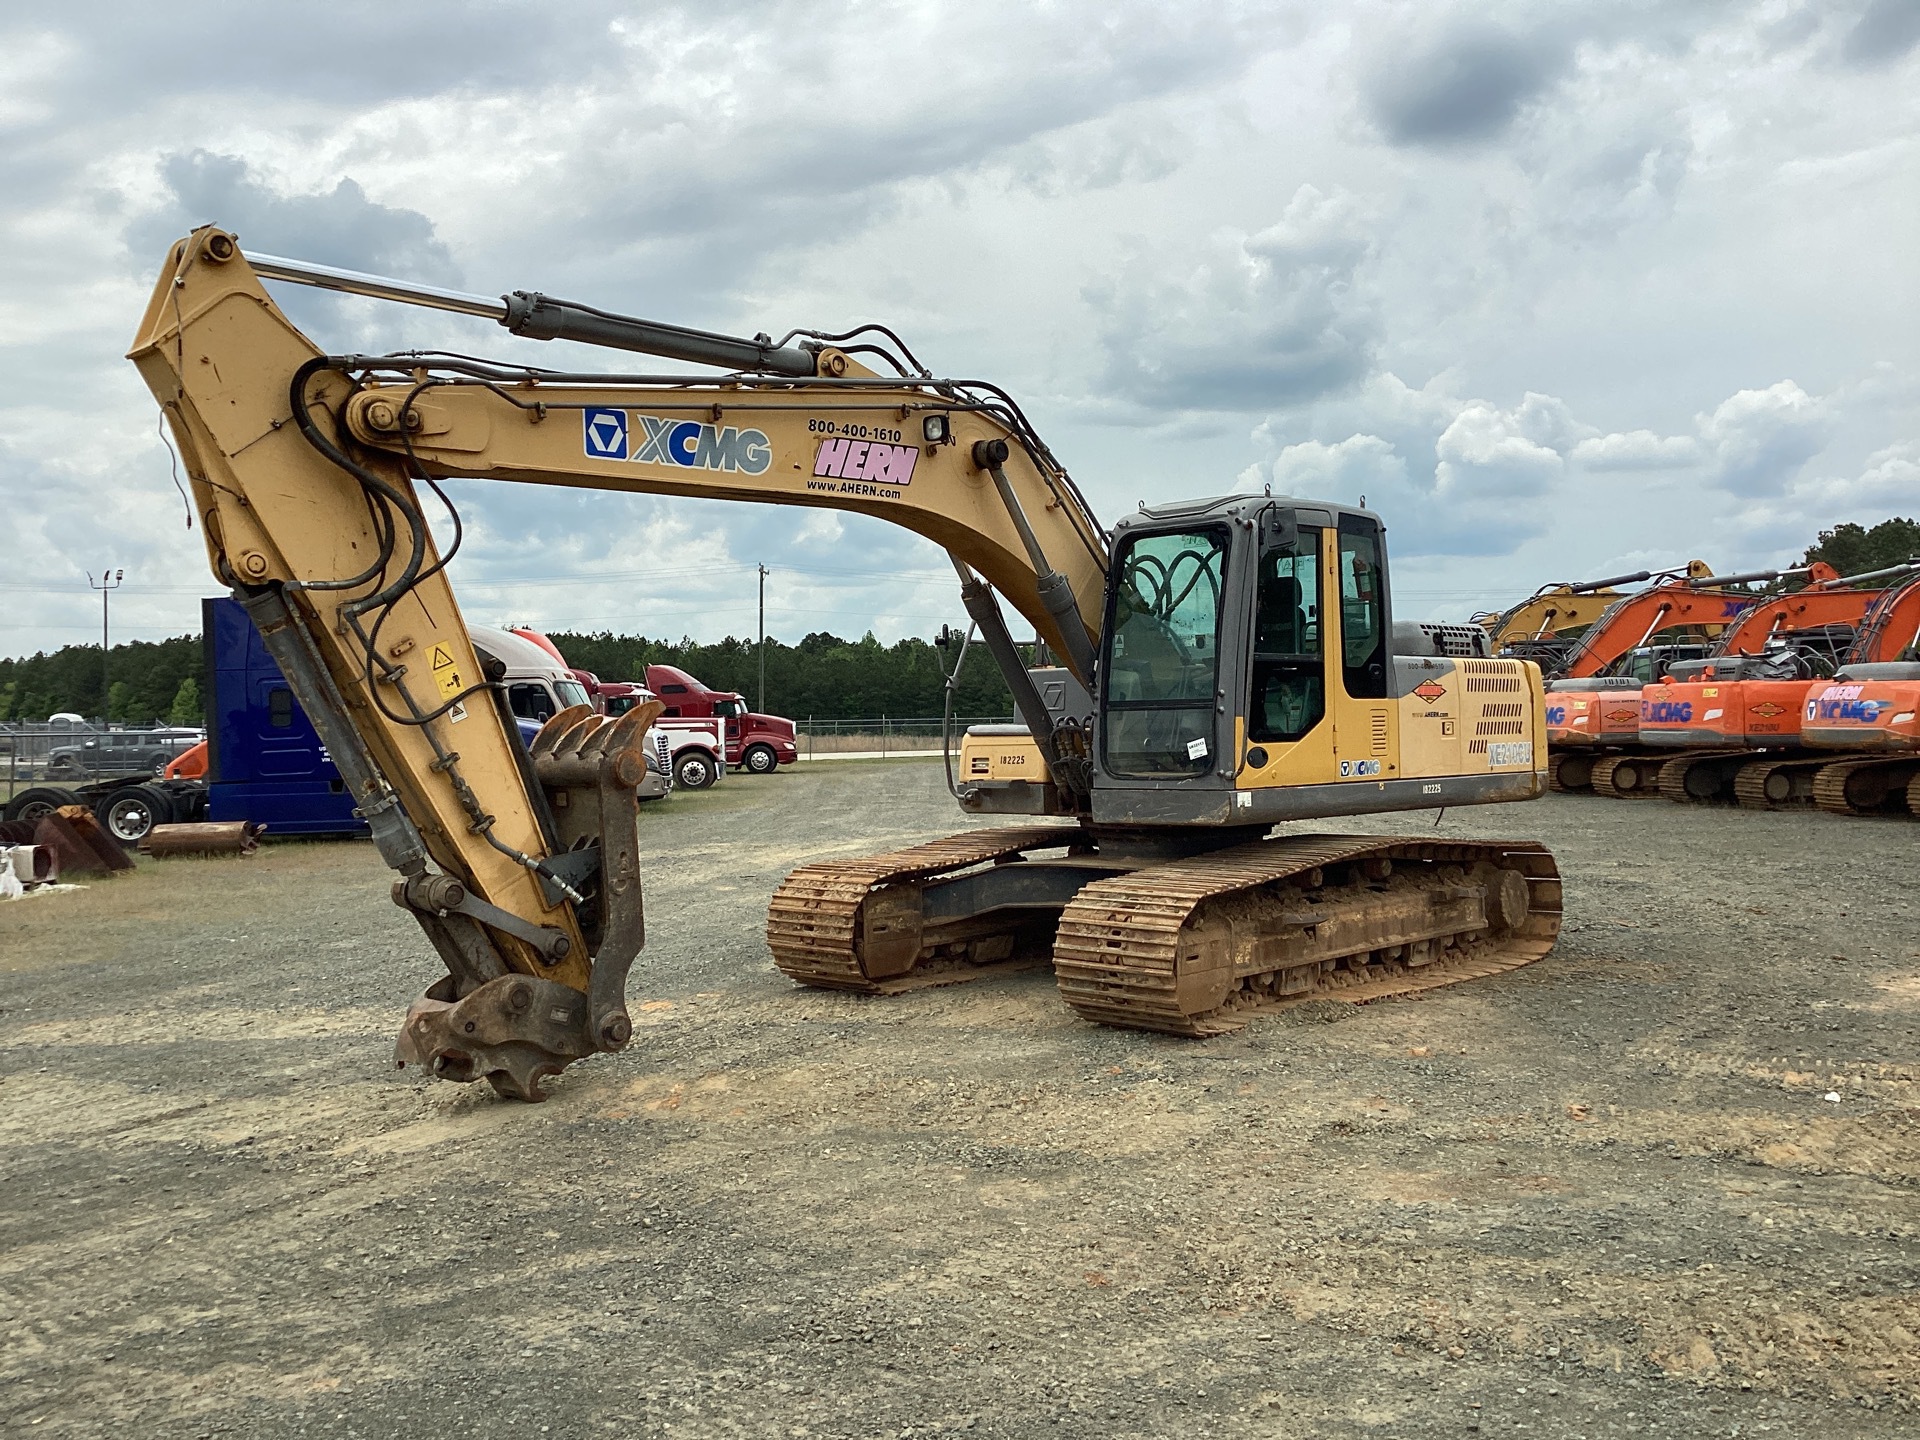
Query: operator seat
<point x="1288" y="684"/>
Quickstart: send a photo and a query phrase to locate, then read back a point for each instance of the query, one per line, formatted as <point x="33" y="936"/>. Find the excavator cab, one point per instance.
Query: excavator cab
<point x="1252" y="672"/>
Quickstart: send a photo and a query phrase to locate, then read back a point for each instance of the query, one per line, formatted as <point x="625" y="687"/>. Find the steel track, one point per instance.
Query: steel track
<point x="1122" y="942"/>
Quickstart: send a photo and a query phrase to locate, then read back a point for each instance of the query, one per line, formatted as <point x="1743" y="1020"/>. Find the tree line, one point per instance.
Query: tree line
<point x="152" y="682"/>
<point x="823" y="677"/>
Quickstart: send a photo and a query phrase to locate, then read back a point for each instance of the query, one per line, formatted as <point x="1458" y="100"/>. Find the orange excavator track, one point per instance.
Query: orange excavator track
<point x="1873" y="786"/>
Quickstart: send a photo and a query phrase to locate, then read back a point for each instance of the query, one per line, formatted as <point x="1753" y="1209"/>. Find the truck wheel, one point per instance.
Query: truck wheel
<point x="41" y="800"/>
<point x="130" y="812"/>
<point x="160" y="767"/>
<point x="695" y="771"/>
<point x="761" y="760"/>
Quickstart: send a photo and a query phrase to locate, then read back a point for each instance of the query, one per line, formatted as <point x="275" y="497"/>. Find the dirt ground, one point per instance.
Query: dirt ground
<point x="1661" y="1183"/>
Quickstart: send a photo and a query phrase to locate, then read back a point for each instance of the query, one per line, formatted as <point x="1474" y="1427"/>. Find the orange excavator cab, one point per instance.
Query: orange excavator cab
<point x="188" y="764"/>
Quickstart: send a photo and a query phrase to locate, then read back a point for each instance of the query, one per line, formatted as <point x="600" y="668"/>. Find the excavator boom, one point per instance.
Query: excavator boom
<point x="308" y="474"/>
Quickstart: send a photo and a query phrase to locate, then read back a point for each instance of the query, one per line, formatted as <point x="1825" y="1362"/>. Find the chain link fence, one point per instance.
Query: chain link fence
<point x="42" y="752"/>
<point x="883" y="734"/>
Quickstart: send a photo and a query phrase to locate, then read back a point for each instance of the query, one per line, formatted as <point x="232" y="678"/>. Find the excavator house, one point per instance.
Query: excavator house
<point x="1224" y="665"/>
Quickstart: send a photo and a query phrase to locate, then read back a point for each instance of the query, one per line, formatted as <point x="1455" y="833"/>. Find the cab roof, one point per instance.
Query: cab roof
<point x="1238" y="507"/>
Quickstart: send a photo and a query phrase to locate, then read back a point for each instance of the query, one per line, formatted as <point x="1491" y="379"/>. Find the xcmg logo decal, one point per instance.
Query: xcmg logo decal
<point x="1843" y="702"/>
<point x="1665" y="712"/>
<point x="687" y="444"/>
<point x="1556" y="714"/>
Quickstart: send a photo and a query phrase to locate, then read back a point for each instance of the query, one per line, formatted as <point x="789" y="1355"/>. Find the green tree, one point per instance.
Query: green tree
<point x="7" y="692"/>
<point x="118" y="694"/>
<point x="1853" y="549"/>
<point x="186" y="704"/>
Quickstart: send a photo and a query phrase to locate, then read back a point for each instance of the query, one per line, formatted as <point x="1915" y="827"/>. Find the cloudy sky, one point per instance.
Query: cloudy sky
<point x="1564" y="289"/>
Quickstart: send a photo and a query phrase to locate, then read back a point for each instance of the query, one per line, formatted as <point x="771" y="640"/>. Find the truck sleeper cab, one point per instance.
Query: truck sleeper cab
<point x="755" y="742"/>
<point x="540" y="685"/>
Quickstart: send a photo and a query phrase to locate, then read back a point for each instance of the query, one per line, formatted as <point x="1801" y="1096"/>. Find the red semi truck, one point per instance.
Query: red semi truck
<point x="755" y="742"/>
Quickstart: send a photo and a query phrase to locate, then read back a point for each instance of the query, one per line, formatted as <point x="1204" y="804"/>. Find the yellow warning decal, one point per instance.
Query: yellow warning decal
<point x="445" y="673"/>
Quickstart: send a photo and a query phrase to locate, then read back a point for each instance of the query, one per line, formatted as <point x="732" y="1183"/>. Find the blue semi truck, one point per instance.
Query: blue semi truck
<point x="264" y="761"/>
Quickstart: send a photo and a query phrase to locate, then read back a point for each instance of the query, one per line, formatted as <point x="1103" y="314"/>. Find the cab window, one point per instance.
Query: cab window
<point x="530" y="701"/>
<point x="1289" y="678"/>
<point x="1163" y="654"/>
<point x="1363" y="609"/>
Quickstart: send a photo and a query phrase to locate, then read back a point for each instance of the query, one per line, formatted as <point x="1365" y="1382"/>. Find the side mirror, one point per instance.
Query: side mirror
<point x="1278" y="529"/>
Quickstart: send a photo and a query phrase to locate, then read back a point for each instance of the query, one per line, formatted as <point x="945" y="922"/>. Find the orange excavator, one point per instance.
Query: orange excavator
<point x="1868" y="708"/>
<point x="1593" y="706"/>
<point x="1734" y="718"/>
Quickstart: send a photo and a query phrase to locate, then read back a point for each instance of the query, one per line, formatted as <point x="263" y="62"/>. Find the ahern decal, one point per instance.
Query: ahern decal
<point x="610" y="434"/>
<point x="872" y="460"/>
<point x="1429" y="690"/>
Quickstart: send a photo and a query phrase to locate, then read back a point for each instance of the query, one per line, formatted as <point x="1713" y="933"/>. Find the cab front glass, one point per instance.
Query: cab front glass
<point x="1162" y="662"/>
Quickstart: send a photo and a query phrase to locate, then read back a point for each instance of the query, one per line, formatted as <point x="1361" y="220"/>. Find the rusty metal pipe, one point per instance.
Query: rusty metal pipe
<point x="211" y="837"/>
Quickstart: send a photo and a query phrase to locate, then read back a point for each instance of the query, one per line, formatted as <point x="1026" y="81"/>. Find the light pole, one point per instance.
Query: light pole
<point x="763" y="637"/>
<point x="109" y="582"/>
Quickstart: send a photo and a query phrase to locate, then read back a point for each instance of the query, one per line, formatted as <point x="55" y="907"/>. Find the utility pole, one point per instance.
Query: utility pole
<point x="763" y="637"/>
<point x="109" y="582"/>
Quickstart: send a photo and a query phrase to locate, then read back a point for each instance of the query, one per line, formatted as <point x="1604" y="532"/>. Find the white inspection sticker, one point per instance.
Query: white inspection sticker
<point x="1510" y="752"/>
<point x="1197" y="749"/>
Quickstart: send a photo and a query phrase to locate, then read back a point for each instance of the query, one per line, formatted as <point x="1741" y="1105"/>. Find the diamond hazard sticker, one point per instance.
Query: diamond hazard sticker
<point x="1429" y="690"/>
<point x="446" y="674"/>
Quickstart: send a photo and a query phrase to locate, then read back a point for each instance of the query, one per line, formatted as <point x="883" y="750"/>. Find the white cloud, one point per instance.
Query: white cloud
<point x="1757" y="440"/>
<point x="1636" y="450"/>
<point x="1276" y="317"/>
<point x="1511" y="270"/>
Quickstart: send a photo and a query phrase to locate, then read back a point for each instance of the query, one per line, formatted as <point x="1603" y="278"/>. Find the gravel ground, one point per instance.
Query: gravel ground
<point x="1661" y="1183"/>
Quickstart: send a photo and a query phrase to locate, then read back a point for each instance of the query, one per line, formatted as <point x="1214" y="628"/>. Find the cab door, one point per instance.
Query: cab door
<point x="1287" y="696"/>
<point x="1366" y="738"/>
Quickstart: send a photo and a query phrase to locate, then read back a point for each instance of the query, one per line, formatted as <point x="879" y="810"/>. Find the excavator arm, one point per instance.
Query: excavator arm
<point x="1563" y="610"/>
<point x="1709" y="604"/>
<point x="308" y="471"/>
<point x="1831" y="599"/>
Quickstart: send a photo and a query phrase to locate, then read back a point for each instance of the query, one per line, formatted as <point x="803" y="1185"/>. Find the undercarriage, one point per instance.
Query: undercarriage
<point x="1188" y="944"/>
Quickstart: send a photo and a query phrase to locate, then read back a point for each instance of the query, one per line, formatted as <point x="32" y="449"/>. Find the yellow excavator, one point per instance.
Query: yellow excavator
<point x="1223" y="665"/>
